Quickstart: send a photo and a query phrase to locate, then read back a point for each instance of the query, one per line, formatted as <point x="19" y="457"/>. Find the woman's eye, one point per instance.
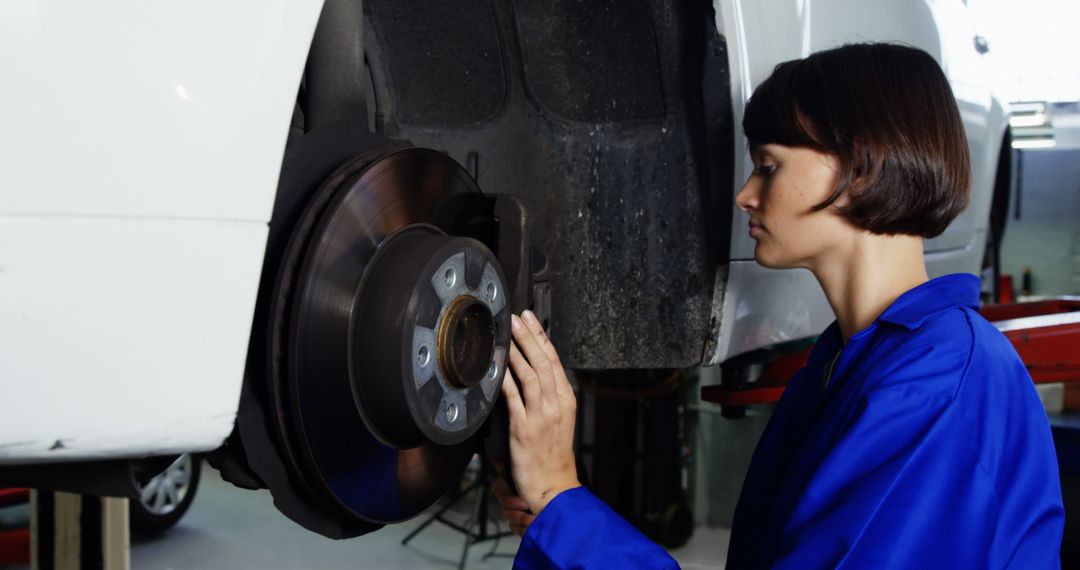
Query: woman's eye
<point x="765" y="169"/>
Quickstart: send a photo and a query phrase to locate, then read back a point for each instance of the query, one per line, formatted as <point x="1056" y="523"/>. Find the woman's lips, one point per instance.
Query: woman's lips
<point x="756" y="229"/>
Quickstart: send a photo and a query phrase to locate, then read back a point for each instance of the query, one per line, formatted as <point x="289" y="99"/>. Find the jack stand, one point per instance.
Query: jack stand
<point x="70" y="531"/>
<point x="479" y="517"/>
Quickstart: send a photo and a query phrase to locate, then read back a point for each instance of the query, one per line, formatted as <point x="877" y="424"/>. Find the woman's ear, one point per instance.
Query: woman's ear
<point x="827" y="170"/>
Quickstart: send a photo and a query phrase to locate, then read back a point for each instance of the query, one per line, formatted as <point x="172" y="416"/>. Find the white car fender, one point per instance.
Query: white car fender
<point x="137" y="176"/>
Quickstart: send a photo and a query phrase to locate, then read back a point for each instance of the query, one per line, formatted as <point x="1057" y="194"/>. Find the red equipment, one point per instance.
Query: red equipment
<point x="1046" y="335"/>
<point x="14" y="544"/>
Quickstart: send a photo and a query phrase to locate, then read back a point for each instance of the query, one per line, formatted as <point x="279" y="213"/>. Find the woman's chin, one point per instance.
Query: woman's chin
<point x="769" y="260"/>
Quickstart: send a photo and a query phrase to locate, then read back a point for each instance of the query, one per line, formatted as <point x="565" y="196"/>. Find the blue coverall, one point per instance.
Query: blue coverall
<point x="927" y="448"/>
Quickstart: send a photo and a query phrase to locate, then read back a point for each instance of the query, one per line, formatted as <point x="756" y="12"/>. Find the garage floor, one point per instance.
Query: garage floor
<point x="229" y="528"/>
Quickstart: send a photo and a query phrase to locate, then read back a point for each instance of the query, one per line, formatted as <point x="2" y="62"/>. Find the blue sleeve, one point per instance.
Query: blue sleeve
<point x="903" y="487"/>
<point x="578" y="531"/>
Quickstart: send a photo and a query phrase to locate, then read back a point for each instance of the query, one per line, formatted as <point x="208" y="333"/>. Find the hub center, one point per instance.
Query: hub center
<point x="466" y="340"/>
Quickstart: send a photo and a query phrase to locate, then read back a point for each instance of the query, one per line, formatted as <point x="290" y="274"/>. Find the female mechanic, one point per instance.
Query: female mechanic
<point x="914" y="436"/>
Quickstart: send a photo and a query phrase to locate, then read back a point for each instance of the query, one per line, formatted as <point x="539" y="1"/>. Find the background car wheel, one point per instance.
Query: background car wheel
<point x="163" y="499"/>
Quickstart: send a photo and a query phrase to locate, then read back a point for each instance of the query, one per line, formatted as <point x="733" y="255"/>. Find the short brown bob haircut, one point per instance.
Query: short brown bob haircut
<point x="887" y="112"/>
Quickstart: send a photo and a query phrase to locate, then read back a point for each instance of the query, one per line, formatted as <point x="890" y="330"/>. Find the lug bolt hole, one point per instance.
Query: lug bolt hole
<point x="451" y="412"/>
<point x="491" y="291"/>
<point x="423" y="356"/>
<point x="450" y="278"/>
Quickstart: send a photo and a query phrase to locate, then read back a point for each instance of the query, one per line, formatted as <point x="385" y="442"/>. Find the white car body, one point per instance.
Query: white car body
<point x="138" y="174"/>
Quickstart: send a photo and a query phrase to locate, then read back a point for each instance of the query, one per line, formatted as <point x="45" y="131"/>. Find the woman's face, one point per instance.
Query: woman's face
<point x="780" y="196"/>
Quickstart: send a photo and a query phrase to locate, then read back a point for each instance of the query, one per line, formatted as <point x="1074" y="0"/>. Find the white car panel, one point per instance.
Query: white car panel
<point x="136" y="182"/>
<point x="110" y="347"/>
<point x="128" y="108"/>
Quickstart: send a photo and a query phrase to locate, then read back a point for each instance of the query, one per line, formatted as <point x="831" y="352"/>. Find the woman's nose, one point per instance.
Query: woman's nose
<point x="746" y="199"/>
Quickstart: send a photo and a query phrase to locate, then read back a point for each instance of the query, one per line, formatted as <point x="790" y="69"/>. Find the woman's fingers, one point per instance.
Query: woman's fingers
<point x="530" y="384"/>
<point x="507" y="499"/>
<point x="562" y="383"/>
<point x="538" y="360"/>
<point x="512" y="507"/>
<point x="516" y="517"/>
<point x="537" y="329"/>
<point x="514" y="403"/>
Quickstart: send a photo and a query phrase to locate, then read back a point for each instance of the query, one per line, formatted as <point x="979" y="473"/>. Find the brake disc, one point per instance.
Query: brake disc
<point x="397" y="343"/>
<point x="388" y="342"/>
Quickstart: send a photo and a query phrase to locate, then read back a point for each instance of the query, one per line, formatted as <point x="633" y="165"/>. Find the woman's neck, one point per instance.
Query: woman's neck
<point x="865" y="276"/>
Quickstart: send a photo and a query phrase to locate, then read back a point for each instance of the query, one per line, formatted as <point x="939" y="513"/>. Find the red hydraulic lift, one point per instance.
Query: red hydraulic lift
<point x="15" y="543"/>
<point x="1046" y="335"/>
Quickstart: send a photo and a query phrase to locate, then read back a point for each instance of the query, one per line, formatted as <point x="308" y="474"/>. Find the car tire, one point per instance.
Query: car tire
<point x="160" y="502"/>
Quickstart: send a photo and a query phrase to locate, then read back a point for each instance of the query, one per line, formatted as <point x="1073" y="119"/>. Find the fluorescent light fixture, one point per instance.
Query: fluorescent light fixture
<point x="1027" y="107"/>
<point x="1034" y="120"/>
<point x="1034" y="143"/>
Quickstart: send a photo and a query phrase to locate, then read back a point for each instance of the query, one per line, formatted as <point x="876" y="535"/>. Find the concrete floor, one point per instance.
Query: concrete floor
<point x="230" y="528"/>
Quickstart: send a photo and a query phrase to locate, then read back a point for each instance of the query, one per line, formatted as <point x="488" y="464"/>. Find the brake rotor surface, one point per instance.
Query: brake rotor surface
<point x="396" y="341"/>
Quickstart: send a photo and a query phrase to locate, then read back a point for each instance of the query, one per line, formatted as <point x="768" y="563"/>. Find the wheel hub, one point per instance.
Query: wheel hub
<point x="467" y="342"/>
<point x="431" y="332"/>
<point x="383" y="334"/>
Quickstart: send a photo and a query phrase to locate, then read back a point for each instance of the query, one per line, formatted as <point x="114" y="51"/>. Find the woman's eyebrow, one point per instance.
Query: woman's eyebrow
<point x="760" y="153"/>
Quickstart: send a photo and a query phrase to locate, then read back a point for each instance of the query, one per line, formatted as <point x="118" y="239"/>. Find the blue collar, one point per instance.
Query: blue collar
<point x="935" y="296"/>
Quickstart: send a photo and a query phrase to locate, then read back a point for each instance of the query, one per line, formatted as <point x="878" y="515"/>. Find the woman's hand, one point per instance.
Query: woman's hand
<point x="512" y="507"/>
<point x="542" y="415"/>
